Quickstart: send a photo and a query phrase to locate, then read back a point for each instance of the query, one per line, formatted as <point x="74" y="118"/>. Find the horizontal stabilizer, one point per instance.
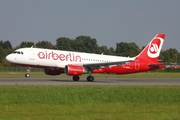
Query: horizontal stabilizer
<point x="156" y="64"/>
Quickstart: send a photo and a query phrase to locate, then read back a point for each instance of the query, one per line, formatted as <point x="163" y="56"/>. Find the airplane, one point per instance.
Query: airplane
<point x="56" y="62"/>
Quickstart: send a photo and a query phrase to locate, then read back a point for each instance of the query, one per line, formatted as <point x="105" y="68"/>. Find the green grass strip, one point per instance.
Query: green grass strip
<point x="90" y="102"/>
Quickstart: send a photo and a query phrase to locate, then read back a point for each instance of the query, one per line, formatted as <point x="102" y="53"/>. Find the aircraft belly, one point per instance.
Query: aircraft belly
<point x="113" y="70"/>
<point x="119" y="70"/>
<point x="46" y="63"/>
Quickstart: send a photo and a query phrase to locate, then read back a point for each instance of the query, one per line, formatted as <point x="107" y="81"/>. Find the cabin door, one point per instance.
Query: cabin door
<point x="137" y="65"/>
<point x="31" y="54"/>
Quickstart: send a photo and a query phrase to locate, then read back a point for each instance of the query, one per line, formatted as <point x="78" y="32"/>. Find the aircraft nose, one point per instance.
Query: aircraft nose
<point x="9" y="58"/>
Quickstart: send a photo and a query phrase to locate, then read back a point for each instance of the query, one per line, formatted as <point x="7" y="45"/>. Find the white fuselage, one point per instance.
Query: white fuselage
<point x="58" y="58"/>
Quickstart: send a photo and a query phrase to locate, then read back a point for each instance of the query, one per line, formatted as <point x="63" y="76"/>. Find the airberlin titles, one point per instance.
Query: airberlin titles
<point x="62" y="56"/>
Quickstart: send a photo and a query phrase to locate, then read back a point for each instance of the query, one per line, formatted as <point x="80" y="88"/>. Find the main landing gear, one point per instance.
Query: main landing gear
<point x="90" y="78"/>
<point x="27" y="75"/>
<point x="76" y="78"/>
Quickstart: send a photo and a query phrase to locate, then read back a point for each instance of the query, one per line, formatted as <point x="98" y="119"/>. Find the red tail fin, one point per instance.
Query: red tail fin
<point x="153" y="49"/>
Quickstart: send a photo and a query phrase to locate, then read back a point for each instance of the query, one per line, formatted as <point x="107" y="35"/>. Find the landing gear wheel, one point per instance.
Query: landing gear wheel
<point x="76" y="78"/>
<point x="27" y="75"/>
<point x="90" y="78"/>
<point x="28" y="72"/>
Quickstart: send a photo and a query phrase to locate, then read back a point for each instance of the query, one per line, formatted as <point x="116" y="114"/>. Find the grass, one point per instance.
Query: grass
<point x="90" y="102"/>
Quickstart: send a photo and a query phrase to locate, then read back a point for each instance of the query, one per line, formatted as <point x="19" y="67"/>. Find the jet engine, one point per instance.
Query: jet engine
<point x="74" y="70"/>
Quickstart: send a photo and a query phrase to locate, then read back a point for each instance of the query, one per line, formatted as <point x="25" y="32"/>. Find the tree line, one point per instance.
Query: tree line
<point x="89" y="45"/>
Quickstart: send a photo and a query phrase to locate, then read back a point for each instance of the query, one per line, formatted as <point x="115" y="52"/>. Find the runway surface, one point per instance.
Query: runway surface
<point x="98" y="81"/>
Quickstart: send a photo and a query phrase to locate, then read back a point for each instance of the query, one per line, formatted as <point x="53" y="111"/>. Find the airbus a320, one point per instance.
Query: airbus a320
<point x="56" y="62"/>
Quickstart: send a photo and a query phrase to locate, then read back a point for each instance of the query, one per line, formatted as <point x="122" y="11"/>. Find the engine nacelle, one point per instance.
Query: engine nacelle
<point x="53" y="71"/>
<point x="74" y="70"/>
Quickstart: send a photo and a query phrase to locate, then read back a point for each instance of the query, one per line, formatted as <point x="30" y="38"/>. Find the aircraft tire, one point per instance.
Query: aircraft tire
<point x="27" y="75"/>
<point x="90" y="78"/>
<point x="76" y="78"/>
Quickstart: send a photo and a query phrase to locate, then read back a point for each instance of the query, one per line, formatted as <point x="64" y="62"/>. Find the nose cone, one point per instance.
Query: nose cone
<point x="9" y="58"/>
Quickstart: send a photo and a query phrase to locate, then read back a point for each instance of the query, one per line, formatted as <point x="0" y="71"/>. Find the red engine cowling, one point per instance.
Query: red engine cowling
<point x="53" y="71"/>
<point x="73" y="70"/>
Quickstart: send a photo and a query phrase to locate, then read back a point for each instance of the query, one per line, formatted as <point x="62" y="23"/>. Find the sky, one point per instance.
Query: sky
<point x="108" y="21"/>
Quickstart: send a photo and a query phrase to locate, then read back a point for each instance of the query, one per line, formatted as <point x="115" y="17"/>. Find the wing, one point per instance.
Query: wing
<point x="96" y="65"/>
<point x="104" y="64"/>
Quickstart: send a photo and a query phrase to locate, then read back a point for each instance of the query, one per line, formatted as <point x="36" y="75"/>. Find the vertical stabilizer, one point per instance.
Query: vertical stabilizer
<point x="153" y="49"/>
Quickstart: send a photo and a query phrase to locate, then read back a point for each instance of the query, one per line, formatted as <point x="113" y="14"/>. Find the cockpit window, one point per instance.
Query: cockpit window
<point x="18" y="52"/>
<point x="15" y="52"/>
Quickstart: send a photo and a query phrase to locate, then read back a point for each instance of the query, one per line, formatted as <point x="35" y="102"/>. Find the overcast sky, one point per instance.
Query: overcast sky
<point x="108" y="21"/>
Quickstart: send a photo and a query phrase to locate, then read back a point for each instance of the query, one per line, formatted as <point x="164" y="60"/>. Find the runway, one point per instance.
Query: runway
<point x="98" y="81"/>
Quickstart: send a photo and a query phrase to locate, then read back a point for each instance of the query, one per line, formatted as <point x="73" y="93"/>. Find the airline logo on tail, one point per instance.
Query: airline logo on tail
<point x="155" y="47"/>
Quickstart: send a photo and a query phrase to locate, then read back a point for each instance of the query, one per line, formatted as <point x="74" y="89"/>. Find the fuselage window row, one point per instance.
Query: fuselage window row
<point x="95" y="60"/>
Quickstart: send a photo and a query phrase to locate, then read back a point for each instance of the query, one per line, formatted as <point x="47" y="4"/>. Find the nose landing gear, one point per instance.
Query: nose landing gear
<point x="27" y="75"/>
